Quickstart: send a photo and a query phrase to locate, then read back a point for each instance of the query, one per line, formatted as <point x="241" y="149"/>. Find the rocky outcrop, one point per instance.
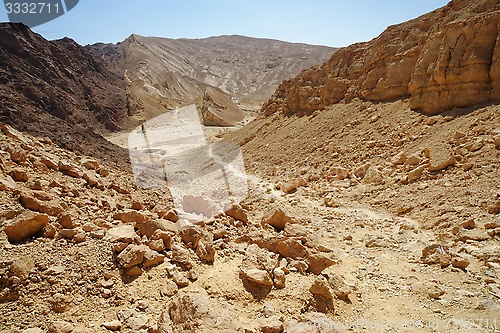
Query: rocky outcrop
<point x="445" y="59"/>
<point x="217" y="109"/>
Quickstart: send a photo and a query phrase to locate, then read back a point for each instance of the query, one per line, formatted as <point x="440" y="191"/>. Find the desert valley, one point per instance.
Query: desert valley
<point x="237" y="184"/>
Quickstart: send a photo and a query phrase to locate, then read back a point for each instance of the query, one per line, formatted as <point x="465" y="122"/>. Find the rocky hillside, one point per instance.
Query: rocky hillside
<point x="60" y="90"/>
<point x="445" y="59"/>
<point x="175" y="71"/>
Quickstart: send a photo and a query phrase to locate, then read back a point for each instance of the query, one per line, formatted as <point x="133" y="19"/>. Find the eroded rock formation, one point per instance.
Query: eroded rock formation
<point x="445" y="59"/>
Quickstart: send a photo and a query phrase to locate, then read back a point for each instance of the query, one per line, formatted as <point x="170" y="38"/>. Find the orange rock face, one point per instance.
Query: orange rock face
<point x="448" y="58"/>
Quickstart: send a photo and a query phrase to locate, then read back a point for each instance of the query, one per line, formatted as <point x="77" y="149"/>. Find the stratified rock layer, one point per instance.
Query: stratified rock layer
<point x="445" y="59"/>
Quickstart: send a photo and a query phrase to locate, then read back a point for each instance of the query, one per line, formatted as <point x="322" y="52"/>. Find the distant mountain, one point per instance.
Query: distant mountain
<point x="165" y="73"/>
<point x="445" y="59"/>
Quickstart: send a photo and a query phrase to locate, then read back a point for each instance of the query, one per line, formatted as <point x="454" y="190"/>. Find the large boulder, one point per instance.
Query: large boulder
<point x="25" y="225"/>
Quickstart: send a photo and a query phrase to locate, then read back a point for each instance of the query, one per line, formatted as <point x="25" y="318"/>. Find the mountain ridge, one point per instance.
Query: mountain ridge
<point x="172" y="72"/>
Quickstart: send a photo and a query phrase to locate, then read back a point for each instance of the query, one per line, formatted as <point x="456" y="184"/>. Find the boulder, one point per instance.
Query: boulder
<point x="130" y="216"/>
<point x="132" y="255"/>
<point x="399" y="159"/>
<point x="25" y="225"/>
<point x="152" y="258"/>
<point x="256" y="276"/>
<point x="441" y="157"/>
<point x="277" y="217"/>
<point x="123" y="233"/>
<point x="7" y="183"/>
<point x="339" y="172"/>
<point x="50" y="160"/>
<point x="237" y="213"/>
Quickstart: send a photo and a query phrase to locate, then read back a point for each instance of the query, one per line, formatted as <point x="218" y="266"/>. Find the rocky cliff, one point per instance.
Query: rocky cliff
<point x="445" y="59"/>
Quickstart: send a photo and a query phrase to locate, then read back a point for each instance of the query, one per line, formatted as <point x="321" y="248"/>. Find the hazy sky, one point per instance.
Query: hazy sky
<point x="325" y="22"/>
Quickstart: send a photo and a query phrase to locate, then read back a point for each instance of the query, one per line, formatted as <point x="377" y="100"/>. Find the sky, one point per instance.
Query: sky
<point x="334" y="23"/>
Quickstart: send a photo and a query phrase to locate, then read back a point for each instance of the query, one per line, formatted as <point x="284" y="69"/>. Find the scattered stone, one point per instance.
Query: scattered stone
<point x="205" y="249"/>
<point x="107" y="284"/>
<point x="292" y="248"/>
<point x="90" y="178"/>
<point x="119" y="246"/>
<point x="360" y="172"/>
<point x="374" y="176"/>
<point x="180" y="255"/>
<point x="441" y="157"/>
<point x="436" y="254"/>
<point x="170" y="289"/>
<point x="317" y="262"/>
<point x="61" y="327"/>
<point x="19" y="175"/>
<point x="157" y="245"/>
<point x="65" y="221"/>
<point x="277" y="217"/>
<point x="191" y="236"/>
<point x="132" y="255"/>
<point x="69" y="169"/>
<point x="114" y="325"/>
<point x="32" y="330"/>
<point x="291" y="185"/>
<point x="133" y="320"/>
<point x="495" y="208"/>
<point x="192" y="275"/>
<point x="492" y="225"/>
<point x="99" y="234"/>
<point x="413" y="159"/>
<point x="134" y="271"/>
<point x="339" y="172"/>
<point x="50" y="160"/>
<point x="165" y="212"/>
<point x="298" y="265"/>
<point x="279" y="278"/>
<point x="68" y="233"/>
<point x="25" y="225"/>
<point x="89" y="163"/>
<point x="339" y="286"/>
<point x="7" y="183"/>
<point x="165" y="236"/>
<point x="60" y="302"/>
<point x="469" y="224"/>
<point x="22" y="267"/>
<point x="459" y="262"/>
<point x="434" y="291"/>
<point x="312" y="322"/>
<point x="148" y="228"/>
<point x="272" y="325"/>
<point x="152" y="258"/>
<point x="477" y="145"/>
<point x="131" y="216"/>
<point x="256" y="276"/>
<point x="123" y="233"/>
<point x="237" y="213"/>
<point x="321" y="287"/>
<point x="180" y="280"/>
<point x="399" y="159"/>
<point x="55" y="270"/>
<point x="80" y="236"/>
<point x="196" y="313"/>
<point x="416" y="173"/>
